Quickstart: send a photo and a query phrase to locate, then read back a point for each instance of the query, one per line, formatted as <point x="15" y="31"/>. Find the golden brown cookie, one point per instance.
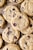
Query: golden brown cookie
<point x="9" y="12"/>
<point x="20" y="22"/>
<point x="10" y="35"/>
<point x="26" y="42"/>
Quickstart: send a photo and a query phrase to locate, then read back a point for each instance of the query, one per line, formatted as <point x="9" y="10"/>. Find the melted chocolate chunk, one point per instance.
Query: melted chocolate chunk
<point x="15" y="37"/>
<point x="30" y="25"/>
<point x="9" y="32"/>
<point x="7" y="49"/>
<point x="14" y="24"/>
<point x="20" y="17"/>
<point x="26" y="43"/>
<point x="14" y="0"/>
<point x="28" y="36"/>
<point x="8" y="27"/>
<point x="13" y="9"/>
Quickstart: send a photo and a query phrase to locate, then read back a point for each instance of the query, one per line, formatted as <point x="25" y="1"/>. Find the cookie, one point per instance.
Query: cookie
<point x="23" y="7"/>
<point x="2" y="2"/>
<point x="1" y="21"/>
<point x="9" y="11"/>
<point x="10" y="35"/>
<point x="20" y="22"/>
<point x="11" y="47"/>
<point x="30" y="27"/>
<point x="15" y="1"/>
<point x="1" y="41"/>
<point x="27" y="7"/>
<point x="26" y="41"/>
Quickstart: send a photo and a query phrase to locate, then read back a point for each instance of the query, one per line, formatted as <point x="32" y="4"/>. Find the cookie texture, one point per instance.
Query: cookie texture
<point x="10" y="35"/>
<point x="10" y="9"/>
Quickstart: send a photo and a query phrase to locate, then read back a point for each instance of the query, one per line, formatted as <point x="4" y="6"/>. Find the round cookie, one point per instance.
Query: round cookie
<point x="15" y="1"/>
<point x="20" y="22"/>
<point x="27" y="7"/>
<point x="9" y="11"/>
<point x="26" y="41"/>
<point x="2" y="2"/>
<point x="1" y="41"/>
<point x="11" y="47"/>
<point x="10" y="35"/>
<point x="1" y="21"/>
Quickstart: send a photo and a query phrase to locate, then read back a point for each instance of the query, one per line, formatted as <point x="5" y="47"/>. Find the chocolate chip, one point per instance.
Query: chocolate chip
<point x="7" y="49"/>
<point x="15" y="37"/>
<point x="26" y="43"/>
<point x="14" y="0"/>
<point x="20" y="17"/>
<point x="30" y="25"/>
<point x="14" y="14"/>
<point x="9" y="32"/>
<point x="13" y="9"/>
<point x="8" y="27"/>
<point x="14" y="24"/>
<point x="28" y="36"/>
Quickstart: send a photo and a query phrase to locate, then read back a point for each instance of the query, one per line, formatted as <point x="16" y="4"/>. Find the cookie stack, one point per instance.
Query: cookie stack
<point x="16" y="24"/>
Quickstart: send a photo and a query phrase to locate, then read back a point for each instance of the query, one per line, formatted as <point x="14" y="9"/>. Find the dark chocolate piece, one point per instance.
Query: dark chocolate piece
<point x="14" y="24"/>
<point x="15" y="37"/>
